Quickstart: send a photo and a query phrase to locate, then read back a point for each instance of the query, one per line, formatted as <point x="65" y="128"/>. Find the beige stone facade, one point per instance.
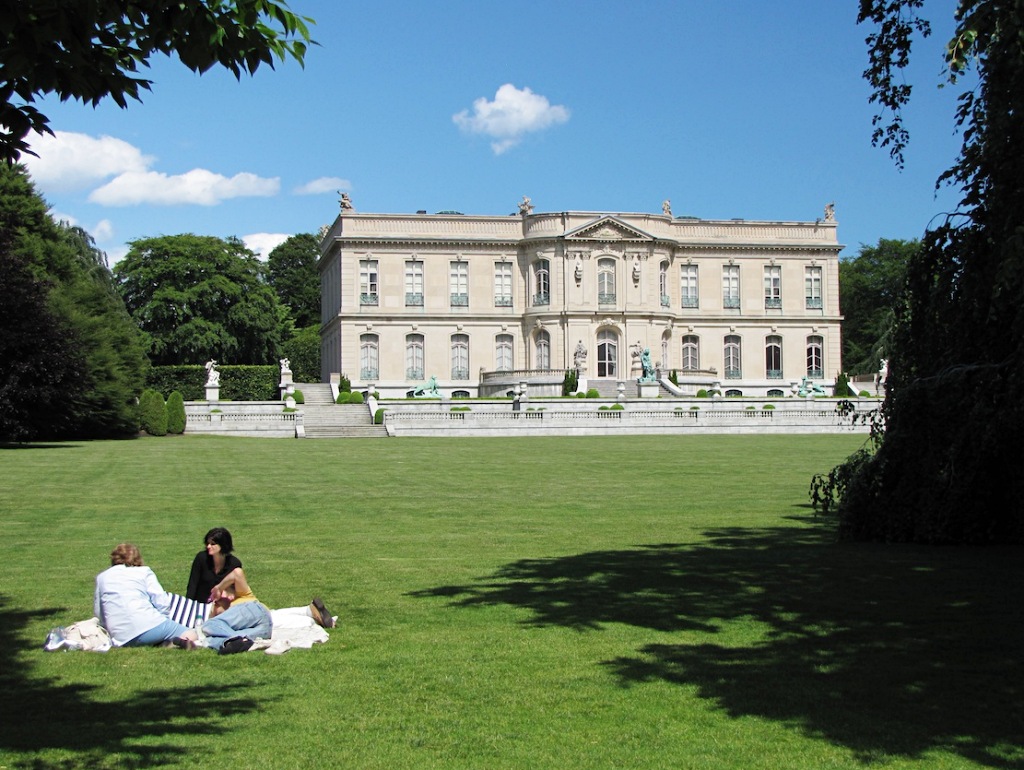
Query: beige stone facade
<point x="481" y="303"/>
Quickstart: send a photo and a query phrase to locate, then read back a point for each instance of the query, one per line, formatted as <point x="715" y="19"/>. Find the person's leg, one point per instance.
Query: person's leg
<point x="249" y="619"/>
<point x="165" y="632"/>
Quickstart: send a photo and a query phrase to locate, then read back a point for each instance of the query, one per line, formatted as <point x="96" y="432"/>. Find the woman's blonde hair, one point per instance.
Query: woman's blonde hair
<point x="127" y="554"/>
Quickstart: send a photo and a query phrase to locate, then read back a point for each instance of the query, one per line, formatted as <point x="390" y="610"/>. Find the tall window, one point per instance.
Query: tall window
<point x="606" y="281"/>
<point x="815" y="369"/>
<point x="368" y="282"/>
<point x="691" y="353"/>
<point x="688" y="286"/>
<point x="542" y="282"/>
<point x="542" y="353"/>
<point x="414" y="357"/>
<point x="503" y="353"/>
<point x="733" y="362"/>
<point x="414" y="283"/>
<point x="460" y="356"/>
<point x="503" y="284"/>
<point x="607" y="353"/>
<point x="368" y="357"/>
<point x="773" y="286"/>
<point x="731" y="286"/>
<point x="663" y="285"/>
<point x="459" y="283"/>
<point x="812" y="287"/>
<point x="773" y="357"/>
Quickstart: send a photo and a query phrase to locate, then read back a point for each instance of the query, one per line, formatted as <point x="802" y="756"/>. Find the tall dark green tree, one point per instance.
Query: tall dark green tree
<point x="291" y="271"/>
<point x="954" y="409"/>
<point x="71" y="359"/>
<point x="199" y="297"/>
<point x="870" y="285"/>
<point x="91" y="51"/>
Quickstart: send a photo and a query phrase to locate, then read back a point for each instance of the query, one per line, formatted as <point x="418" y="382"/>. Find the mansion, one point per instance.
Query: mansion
<point x="483" y="304"/>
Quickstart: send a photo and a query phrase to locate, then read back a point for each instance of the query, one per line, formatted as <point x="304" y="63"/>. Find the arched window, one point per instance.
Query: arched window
<point x="663" y="284"/>
<point x="606" y="282"/>
<point x="542" y="353"/>
<point x="607" y="353"/>
<point x="815" y="368"/>
<point x="414" y="357"/>
<point x="691" y="353"/>
<point x="542" y="282"/>
<point x="368" y="357"/>
<point x="733" y="361"/>
<point x="773" y="357"/>
<point x="460" y="356"/>
<point x="503" y="353"/>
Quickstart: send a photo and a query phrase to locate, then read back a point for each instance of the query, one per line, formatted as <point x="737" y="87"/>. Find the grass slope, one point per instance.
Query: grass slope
<point x="633" y="602"/>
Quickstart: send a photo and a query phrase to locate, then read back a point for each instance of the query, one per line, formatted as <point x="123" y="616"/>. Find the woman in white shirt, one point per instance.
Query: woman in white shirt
<point x="131" y="604"/>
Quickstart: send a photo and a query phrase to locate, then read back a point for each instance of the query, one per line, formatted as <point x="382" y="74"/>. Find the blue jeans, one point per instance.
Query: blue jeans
<point x="250" y="619"/>
<point x="166" y="631"/>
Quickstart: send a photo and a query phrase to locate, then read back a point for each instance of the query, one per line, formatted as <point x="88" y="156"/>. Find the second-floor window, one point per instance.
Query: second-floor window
<point x="503" y="284"/>
<point x="368" y="285"/>
<point x="542" y="282"/>
<point x="663" y="284"/>
<point x="688" y="286"/>
<point x="459" y="283"/>
<point x="606" y="282"/>
<point x="731" y="286"/>
<point x="772" y="286"/>
<point x="812" y="288"/>
<point x="414" y="283"/>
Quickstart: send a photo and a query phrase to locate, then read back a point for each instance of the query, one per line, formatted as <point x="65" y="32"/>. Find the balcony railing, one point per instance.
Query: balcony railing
<point x="665" y="301"/>
<point x="773" y="303"/>
<point x="459" y="373"/>
<point x="691" y="302"/>
<point x="731" y="302"/>
<point x="606" y="298"/>
<point x="460" y="300"/>
<point x="541" y="299"/>
<point x="368" y="299"/>
<point x="774" y="374"/>
<point x="732" y="373"/>
<point x="813" y="303"/>
<point x="503" y="300"/>
<point x="368" y="374"/>
<point x="413" y="373"/>
<point x="414" y="299"/>
<point x="815" y="374"/>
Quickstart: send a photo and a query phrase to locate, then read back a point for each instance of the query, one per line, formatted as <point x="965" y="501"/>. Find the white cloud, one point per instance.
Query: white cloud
<point x="198" y="186"/>
<point x="70" y="161"/>
<point x="103" y="231"/>
<point x="264" y="243"/>
<point x="511" y="115"/>
<point x="324" y="184"/>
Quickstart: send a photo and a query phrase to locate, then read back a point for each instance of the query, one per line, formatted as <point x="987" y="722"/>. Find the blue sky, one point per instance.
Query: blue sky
<point x="729" y="108"/>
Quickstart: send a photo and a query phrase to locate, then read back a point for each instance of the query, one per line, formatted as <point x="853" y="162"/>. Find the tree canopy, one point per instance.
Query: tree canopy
<point x="199" y="297"/>
<point x="71" y="359"/>
<point x="870" y="285"/>
<point x="954" y="407"/>
<point x="91" y="51"/>
<point x="292" y="272"/>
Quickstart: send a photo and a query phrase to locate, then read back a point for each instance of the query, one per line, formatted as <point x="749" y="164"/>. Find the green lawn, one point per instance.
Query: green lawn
<point x="610" y="602"/>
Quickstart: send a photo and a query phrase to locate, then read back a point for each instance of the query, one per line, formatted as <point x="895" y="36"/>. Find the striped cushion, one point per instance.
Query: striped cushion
<point x="188" y="612"/>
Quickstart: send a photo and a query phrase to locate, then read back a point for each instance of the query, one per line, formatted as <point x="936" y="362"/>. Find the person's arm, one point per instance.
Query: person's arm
<point x="97" y="606"/>
<point x="158" y="597"/>
<point x="233" y="584"/>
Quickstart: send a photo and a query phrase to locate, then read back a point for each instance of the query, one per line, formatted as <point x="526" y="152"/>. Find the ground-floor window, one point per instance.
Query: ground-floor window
<point x="503" y="353"/>
<point x="368" y="357"/>
<point x="691" y="353"/>
<point x="460" y="356"/>
<point x="815" y="370"/>
<point x="414" y="357"/>
<point x="733" y="361"/>
<point x="542" y="353"/>
<point x="773" y="357"/>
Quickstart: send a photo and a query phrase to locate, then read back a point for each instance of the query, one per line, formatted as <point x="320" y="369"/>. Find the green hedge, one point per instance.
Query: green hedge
<point x="152" y="413"/>
<point x="176" y="413"/>
<point x="237" y="383"/>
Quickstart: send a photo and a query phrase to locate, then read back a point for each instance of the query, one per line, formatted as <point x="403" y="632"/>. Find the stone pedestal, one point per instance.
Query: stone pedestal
<point x="213" y="392"/>
<point x="648" y="389"/>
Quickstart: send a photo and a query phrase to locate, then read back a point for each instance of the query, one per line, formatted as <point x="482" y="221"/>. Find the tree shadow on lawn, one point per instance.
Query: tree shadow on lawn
<point x="41" y="714"/>
<point x="886" y="650"/>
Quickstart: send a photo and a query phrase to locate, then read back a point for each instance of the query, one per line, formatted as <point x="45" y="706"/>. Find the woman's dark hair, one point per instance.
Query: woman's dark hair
<point x="221" y="537"/>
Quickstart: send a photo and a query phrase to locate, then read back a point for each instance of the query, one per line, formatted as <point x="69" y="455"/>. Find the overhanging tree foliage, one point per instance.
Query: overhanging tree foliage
<point x="954" y="410"/>
<point x="291" y="271"/>
<point x="199" y="297"/>
<point x="93" y="50"/>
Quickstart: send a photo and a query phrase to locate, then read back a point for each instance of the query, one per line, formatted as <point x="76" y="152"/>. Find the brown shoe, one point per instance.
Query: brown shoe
<point x="320" y="613"/>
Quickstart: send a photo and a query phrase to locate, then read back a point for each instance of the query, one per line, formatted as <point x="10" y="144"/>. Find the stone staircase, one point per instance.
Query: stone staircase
<point x="610" y="388"/>
<point x="322" y="418"/>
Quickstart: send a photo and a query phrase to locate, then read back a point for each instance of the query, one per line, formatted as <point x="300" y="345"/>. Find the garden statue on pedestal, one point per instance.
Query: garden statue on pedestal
<point x="212" y="381"/>
<point x="428" y="390"/>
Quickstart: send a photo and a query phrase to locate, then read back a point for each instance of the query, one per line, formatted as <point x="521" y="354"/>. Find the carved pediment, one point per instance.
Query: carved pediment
<point x="607" y="229"/>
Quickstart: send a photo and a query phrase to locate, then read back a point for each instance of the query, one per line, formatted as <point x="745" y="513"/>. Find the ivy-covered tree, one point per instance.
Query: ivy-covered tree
<point x="870" y="285"/>
<point x="91" y="51"/>
<point x="199" y="297"/>
<point x="303" y="352"/>
<point x="291" y="271"/>
<point x="954" y="408"/>
<point x="71" y="359"/>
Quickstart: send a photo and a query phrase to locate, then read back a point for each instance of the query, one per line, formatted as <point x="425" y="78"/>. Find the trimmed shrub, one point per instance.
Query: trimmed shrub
<point x="344" y="385"/>
<point x="581" y="395"/>
<point x="592" y="393"/>
<point x="768" y="407"/>
<point x="702" y="393"/>
<point x="864" y="394"/>
<point x="299" y="398"/>
<point x="842" y="387"/>
<point x="673" y="377"/>
<point x="355" y="397"/>
<point x="617" y="407"/>
<point x="152" y="413"/>
<point x="176" y="413"/>
<point x="378" y="417"/>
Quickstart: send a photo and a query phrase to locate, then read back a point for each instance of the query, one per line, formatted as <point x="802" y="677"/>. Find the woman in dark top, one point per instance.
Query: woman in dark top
<point x="211" y="565"/>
